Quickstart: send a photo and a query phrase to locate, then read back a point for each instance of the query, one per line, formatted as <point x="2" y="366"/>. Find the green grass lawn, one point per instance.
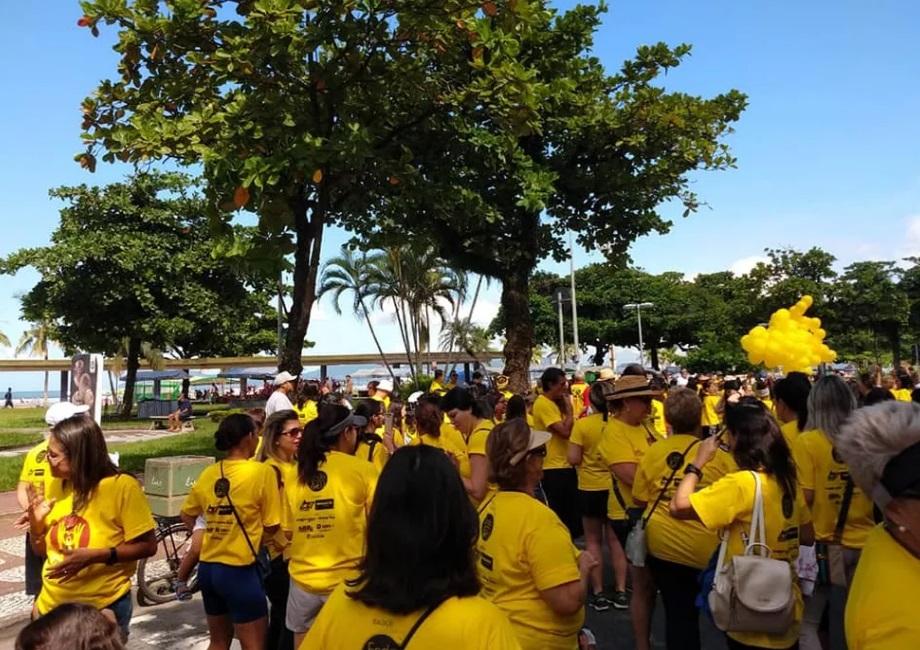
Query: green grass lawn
<point x="133" y="454"/>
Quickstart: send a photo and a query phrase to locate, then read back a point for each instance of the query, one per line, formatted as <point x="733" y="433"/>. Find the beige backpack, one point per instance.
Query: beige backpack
<point x="753" y="592"/>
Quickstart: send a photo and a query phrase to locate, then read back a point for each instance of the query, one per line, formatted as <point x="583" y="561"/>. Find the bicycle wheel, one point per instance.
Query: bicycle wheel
<point x="157" y="574"/>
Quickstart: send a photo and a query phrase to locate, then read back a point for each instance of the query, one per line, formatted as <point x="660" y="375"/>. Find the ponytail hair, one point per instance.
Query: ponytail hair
<point x="760" y="445"/>
<point x="319" y="437"/>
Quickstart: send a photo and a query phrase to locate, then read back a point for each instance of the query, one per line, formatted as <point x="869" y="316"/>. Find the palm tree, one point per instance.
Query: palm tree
<point x="349" y="272"/>
<point x="4" y="341"/>
<point x="473" y="339"/>
<point x="416" y="282"/>
<point x="34" y="342"/>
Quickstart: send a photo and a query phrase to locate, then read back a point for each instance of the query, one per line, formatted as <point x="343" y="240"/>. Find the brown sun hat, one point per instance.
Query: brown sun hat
<point x="632" y="386"/>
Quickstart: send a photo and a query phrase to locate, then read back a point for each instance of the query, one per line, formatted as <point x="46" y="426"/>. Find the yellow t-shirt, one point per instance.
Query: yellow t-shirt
<point x="327" y="521"/>
<point x="376" y="454"/>
<point x="545" y="413"/>
<point x="790" y="432"/>
<point x="437" y="388"/>
<point x="711" y="417"/>
<point x="881" y="609"/>
<point x="587" y="433"/>
<point x="670" y="539"/>
<point x="116" y="513"/>
<point x="729" y="504"/>
<point x="523" y="549"/>
<point x="452" y="441"/>
<point x="820" y="469"/>
<point x="657" y="421"/>
<point x="469" y="623"/>
<point x="477" y="445"/>
<point x="623" y="443"/>
<point x="284" y="473"/>
<point x="902" y="394"/>
<point x="383" y="399"/>
<point x="37" y="471"/>
<point x="308" y="413"/>
<point x="768" y="404"/>
<point x="256" y="498"/>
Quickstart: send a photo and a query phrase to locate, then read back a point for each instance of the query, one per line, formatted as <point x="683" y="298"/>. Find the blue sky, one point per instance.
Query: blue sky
<point x="827" y="150"/>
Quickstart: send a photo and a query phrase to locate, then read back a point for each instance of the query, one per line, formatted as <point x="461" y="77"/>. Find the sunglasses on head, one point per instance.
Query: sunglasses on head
<point x="538" y="451"/>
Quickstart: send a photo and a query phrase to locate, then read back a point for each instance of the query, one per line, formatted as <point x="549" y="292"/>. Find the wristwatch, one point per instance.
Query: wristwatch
<point x="693" y="469"/>
<point x="113" y="556"/>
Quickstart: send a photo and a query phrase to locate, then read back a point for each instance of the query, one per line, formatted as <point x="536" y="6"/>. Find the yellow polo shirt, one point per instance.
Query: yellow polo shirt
<point x="284" y="473"/>
<point x="37" y="471"/>
<point x="623" y="443"/>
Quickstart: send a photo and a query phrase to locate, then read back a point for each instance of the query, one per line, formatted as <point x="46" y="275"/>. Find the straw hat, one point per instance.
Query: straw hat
<point x="606" y="374"/>
<point x="632" y="386"/>
<point x="501" y="382"/>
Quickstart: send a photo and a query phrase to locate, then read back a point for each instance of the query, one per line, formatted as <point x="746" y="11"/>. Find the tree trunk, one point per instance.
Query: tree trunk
<point x="309" y="239"/>
<point x="134" y="361"/>
<point x="653" y="356"/>
<point x="45" y="391"/>
<point x="895" y="347"/>
<point x="519" y="332"/>
<point x="370" y="326"/>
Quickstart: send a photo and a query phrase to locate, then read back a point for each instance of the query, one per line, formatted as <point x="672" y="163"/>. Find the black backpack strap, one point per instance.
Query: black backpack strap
<point x="844" y="510"/>
<point x="421" y="619"/>
<point x="619" y="495"/>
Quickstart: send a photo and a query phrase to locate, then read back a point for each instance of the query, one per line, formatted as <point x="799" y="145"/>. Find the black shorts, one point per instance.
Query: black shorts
<point x="592" y="504"/>
<point x="620" y="528"/>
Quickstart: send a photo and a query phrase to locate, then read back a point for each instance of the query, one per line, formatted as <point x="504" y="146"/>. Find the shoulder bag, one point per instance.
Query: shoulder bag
<point x="262" y="561"/>
<point x="752" y="592"/>
<point x="637" y="541"/>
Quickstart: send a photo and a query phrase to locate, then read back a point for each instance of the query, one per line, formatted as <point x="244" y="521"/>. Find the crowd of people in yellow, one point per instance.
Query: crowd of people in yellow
<point x="456" y="519"/>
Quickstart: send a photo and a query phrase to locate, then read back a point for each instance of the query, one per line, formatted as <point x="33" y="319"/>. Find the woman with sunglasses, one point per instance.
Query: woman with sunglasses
<point x="528" y="566"/>
<point x="325" y="513"/>
<point x="627" y="438"/>
<point x="95" y="530"/>
<point x="467" y="415"/>
<point x="280" y="441"/>
<point x="239" y="499"/>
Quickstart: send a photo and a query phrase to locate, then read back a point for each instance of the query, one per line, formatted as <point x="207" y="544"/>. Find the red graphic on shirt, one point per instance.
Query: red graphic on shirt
<point x="69" y="533"/>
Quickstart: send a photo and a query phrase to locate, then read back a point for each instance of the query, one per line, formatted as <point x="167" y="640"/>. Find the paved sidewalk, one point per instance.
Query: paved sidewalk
<point x="113" y="435"/>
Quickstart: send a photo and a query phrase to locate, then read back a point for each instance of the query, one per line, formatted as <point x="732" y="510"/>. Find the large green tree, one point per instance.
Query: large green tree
<point x="133" y="261"/>
<point x="605" y="154"/>
<point x="303" y="112"/>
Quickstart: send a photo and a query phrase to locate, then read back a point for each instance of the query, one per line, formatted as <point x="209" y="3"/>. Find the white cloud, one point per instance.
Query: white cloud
<point x="910" y="246"/>
<point x="745" y="264"/>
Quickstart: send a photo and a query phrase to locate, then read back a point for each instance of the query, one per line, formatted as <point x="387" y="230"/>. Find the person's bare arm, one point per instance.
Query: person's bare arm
<point x="78" y="559"/>
<point x="569" y="598"/>
<point x="809" y="497"/>
<point x="22" y="494"/>
<point x="479" y="477"/>
<point x="807" y="534"/>
<point x="575" y="454"/>
<point x="624" y="472"/>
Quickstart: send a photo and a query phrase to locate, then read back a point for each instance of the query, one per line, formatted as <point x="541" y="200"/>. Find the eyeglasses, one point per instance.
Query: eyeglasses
<point x="293" y="432"/>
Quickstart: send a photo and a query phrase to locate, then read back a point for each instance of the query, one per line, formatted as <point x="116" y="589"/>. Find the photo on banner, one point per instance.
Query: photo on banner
<point x="86" y="382"/>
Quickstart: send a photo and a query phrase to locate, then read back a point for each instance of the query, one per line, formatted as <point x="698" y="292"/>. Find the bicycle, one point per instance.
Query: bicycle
<point x="157" y="575"/>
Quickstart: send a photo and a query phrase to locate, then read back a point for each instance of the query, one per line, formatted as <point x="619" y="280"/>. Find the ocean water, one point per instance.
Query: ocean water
<point x="32" y="394"/>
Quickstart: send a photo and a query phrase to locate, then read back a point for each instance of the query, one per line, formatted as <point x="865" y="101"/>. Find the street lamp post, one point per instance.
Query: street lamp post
<point x="638" y="306"/>
<point x="574" y="304"/>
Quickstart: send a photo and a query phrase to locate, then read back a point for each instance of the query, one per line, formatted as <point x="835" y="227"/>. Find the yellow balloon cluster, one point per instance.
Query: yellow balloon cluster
<point x="792" y="341"/>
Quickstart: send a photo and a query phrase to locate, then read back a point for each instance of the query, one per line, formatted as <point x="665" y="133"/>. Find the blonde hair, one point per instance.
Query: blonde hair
<point x="506" y="441"/>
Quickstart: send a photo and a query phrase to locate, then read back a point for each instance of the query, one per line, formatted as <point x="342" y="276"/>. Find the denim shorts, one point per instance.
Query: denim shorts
<point x="234" y="591"/>
<point x="122" y="608"/>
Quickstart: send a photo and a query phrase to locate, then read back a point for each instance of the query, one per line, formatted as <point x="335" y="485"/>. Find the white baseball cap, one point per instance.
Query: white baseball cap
<point x="413" y="398"/>
<point x="284" y="377"/>
<point x="385" y="385"/>
<point x="63" y="411"/>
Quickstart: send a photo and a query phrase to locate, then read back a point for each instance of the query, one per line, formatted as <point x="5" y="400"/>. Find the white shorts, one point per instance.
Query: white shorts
<point x="302" y="608"/>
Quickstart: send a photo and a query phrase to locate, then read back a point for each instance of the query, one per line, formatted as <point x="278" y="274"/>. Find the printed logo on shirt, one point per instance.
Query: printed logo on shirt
<point x="675" y="460"/>
<point x="221" y="488"/>
<point x="837" y="457"/>
<point x="318" y="504"/>
<point x="69" y="533"/>
<point x="41" y="456"/>
<point x="486" y="561"/>
<point x="488" y="525"/>
<point x="318" y="481"/>
<point x="380" y="642"/>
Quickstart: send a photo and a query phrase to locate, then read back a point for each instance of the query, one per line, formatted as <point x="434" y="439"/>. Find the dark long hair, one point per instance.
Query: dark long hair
<point x="463" y="400"/>
<point x="793" y="390"/>
<point x="315" y="442"/>
<point x="517" y="408"/>
<point x="232" y="430"/>
<point x="71" y="625"/>
<point x="420" y="511"/>
<point x="84" y="445"/>
<point x="760" y="445"/>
